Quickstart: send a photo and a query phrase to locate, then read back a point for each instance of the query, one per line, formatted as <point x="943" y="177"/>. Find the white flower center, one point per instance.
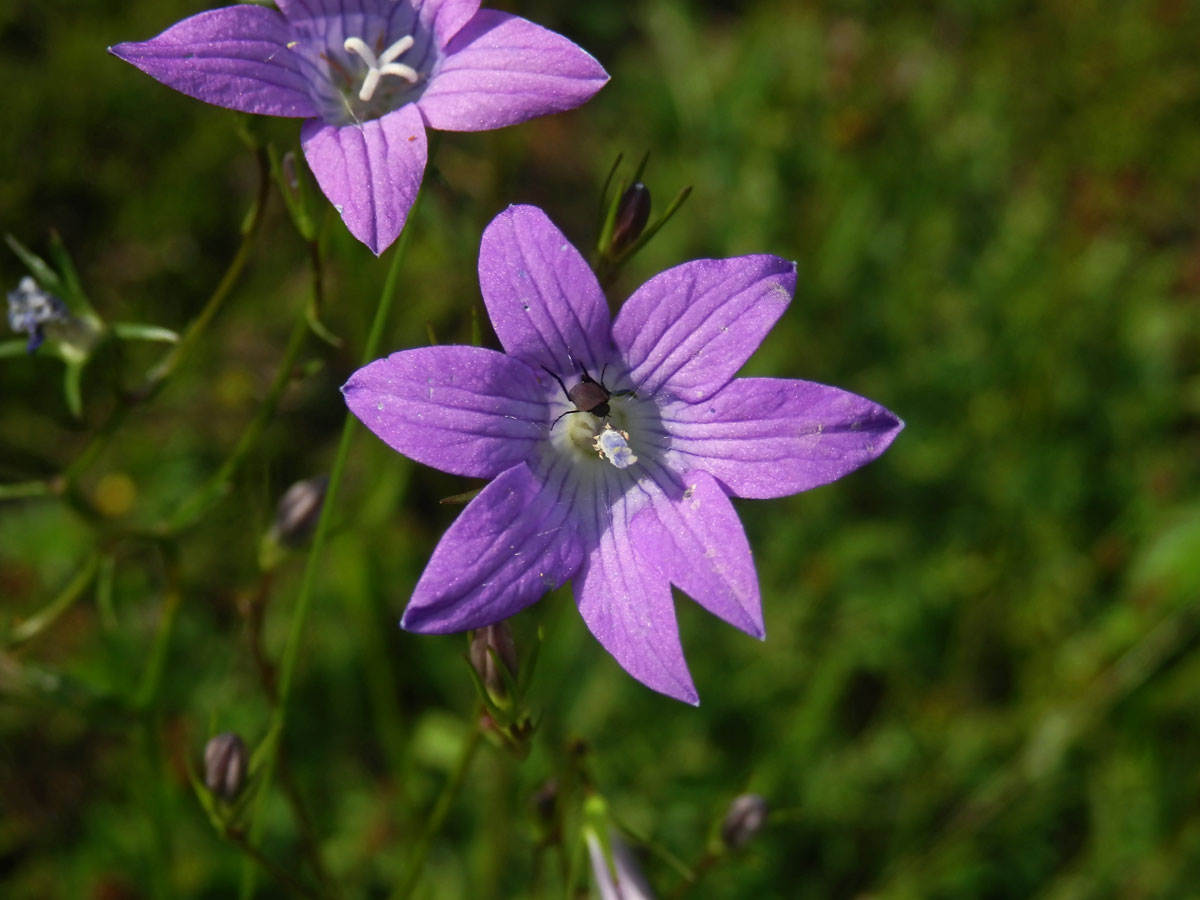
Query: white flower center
<point x="384" y="64"/>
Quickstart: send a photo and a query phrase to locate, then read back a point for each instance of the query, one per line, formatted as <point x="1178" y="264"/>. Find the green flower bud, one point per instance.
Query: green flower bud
<point x="489" y="645"/>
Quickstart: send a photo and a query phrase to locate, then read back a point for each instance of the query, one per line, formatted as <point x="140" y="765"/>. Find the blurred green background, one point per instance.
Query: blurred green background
<point x="980" y="677"/>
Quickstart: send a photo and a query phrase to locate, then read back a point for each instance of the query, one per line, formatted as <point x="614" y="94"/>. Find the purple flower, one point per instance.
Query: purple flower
<point x="370" y="76"/>
<point x="31" y="309"/>
<point x="613" y="446"/>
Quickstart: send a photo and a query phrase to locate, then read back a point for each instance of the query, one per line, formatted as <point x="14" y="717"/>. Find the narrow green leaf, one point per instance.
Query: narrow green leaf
<point x="136" y="331"/>
<point x="73" y="388"/>
<point x="38" y="268"/>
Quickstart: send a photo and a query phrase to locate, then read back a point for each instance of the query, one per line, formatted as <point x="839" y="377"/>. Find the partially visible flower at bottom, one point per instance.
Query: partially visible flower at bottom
<point x="30" y="309"/>
<point x="623" y="880"/>
<point x="614" y="446"/>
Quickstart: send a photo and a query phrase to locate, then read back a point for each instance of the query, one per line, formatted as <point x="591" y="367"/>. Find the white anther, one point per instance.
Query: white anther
<point x="384" y="65"/>
<point x="613" y="445"/>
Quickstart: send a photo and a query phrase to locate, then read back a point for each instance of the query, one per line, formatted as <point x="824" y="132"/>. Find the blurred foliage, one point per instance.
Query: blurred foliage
<point x="981" y="675"/>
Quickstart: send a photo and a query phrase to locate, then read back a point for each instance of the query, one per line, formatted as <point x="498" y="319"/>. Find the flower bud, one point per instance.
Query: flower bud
<point x="623" y="879"/>
<point x="287" y="167"/>
<point x="633" y="212"/>
<point x="489" y="645"/>
<point x="225" y="762"/>
<point x="298" y="511"/>
<point x="746" y="817"/>
<point x="544" y="803"/>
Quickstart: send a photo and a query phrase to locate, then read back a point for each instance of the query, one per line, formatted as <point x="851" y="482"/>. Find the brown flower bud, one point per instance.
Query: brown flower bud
<point x="746" y="817"/>
<point x="298" y="510"/>
<point x="225" y="761"/>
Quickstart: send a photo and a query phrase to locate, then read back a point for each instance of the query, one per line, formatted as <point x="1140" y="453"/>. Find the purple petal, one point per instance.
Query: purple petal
<point x="543" y="300"/>
<point x="512" y="544"/>
<point x="464" y="410"/>
<point x="690" y="328"/>
<point x="446" y="17"/>
<point x="697" y="542"/>
<point x="501" y="69"/>
<point x="627" y="605"/>
<point x="236" y="57"/>
<point x="370" y="172"/>
<point x="770" y="437"/>
<point x="301" y="10"/>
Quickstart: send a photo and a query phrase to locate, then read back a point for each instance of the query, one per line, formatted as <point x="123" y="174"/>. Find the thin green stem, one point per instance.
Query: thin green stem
<point x="273" y="869"/>
<point x="45" y="617"/>
<point x="146" y="703"/>
<point x="147" y="696"/>
<point x="171" y="359"/>
<point x="178" y="352"/>
<point x="291" y="651"/>
<point x="437" y="818"/>
<point x="25" y="489"/>
<point x="216" y="487"/>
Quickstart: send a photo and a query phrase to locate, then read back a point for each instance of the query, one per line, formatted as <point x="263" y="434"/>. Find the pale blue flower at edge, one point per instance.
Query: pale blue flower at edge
<point x="370" y="76"/>
<point x="30" y="309"/>
<point x="691" y="436"/>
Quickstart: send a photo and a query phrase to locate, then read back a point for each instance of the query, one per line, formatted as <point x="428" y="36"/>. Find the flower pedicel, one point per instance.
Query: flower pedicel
<point x="633" y="496"/>
<point x="370" y="76"/>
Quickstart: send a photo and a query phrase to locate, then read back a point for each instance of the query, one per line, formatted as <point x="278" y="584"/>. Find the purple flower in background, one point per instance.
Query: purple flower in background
<point x="31" y="309"/>
<point x="370" y="76"/>
<point x="613" y="446"/>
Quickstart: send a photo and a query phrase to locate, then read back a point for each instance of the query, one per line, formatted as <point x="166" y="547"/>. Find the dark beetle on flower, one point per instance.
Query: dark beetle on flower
<point x="589" y="396"/>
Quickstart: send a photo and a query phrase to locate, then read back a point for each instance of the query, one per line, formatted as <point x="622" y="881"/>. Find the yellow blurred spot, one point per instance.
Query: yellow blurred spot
<point x="234" y="388"/>
<point x="115" y="493"/>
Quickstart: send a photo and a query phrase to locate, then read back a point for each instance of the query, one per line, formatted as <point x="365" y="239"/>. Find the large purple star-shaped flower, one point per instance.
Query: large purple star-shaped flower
<point x="623" y="485"/>
<point x="370" y="76"/>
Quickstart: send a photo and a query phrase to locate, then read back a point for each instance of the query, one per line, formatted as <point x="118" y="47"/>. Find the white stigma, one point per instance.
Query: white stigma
<point x="613" y="445"/>
<point x="384" y="65"/>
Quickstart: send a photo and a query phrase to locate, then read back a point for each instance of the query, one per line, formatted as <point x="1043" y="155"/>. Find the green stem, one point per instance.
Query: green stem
<point x="25" y="489"/>
<point x="440" y="810"/>
<point x="202" y="499"/>
<point x="291" y="651"/>
<point x="147" y="695"/>
<point x="146" y="703"/>
<point x="178" y="352"/>
<point x="276" y="871"/>
<point x="45" y="617"/>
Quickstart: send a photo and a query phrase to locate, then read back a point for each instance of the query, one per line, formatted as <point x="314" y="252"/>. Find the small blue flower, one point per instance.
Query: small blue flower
<point x="30" y="308"/>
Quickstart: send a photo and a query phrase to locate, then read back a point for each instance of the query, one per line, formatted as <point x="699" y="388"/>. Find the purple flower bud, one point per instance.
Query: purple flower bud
<point x="746" y="817"/>
<point x="633" y="211"/>
<point x="225" y="761"/>
<point x="497" y="639"/>
<point x="298" y="511"/>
